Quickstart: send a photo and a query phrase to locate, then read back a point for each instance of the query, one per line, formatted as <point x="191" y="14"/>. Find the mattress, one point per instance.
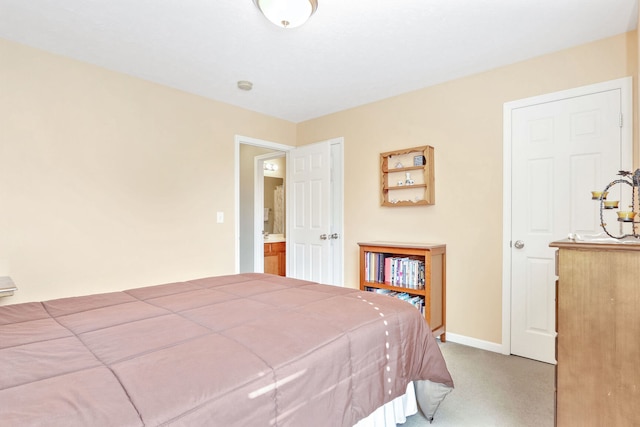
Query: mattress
<point x="239" y="350"/>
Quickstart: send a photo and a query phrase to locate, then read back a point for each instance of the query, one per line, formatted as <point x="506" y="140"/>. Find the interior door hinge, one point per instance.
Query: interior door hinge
<point x="620" y="119"/>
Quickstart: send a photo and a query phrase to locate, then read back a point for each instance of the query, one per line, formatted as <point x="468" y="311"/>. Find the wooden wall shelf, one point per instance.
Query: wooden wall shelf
<point x="395" y="190"/>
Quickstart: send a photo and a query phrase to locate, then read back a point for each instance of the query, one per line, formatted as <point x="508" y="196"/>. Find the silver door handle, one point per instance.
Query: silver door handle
<point x="333" y="236"/>
<point x="519" y="244"/>
<point x="323" y="237"/>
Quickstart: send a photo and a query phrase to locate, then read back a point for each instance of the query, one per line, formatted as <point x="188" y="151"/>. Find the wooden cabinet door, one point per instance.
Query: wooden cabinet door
<point x="598" y="347"/>
<point x="275" y="258"/>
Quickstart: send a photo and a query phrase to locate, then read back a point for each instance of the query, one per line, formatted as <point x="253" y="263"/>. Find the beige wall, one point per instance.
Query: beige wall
<point x="462" y="119"/>
<point x="109" y="182"/>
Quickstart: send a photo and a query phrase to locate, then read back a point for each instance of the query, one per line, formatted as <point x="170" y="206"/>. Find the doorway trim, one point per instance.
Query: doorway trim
<point x="240" y="139"/>
<point x="626" y="95"/>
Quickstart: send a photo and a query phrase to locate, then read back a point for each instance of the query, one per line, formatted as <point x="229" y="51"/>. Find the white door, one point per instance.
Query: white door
<point x="561" y="151"/>
<point x="309" y="213"/>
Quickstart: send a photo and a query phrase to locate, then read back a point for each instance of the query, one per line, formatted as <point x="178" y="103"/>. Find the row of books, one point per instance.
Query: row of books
<point x="415" y="300"/>
<point x="395" y="271"/>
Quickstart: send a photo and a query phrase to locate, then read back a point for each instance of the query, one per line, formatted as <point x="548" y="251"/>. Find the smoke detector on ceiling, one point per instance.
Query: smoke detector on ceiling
<point x="245" y="85"/>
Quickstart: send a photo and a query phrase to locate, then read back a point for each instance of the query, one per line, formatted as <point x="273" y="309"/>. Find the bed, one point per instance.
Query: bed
<point x="239" y="350"/>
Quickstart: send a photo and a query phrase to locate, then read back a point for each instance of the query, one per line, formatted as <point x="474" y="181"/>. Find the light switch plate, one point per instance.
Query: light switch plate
<point x="220" y="217"/>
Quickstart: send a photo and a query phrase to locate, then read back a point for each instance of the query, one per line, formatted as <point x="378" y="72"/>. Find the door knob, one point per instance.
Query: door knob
<point x="519" y="244"/>
<point x="323" y="237"/>
<point x="333" y="236"/>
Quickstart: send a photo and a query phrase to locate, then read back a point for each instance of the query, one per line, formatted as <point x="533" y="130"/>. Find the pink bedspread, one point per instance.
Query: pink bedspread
<point x="241" y="350"/>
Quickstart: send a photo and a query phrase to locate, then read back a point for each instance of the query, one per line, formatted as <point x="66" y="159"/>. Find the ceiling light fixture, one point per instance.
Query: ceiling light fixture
<point x="287" y="13"/>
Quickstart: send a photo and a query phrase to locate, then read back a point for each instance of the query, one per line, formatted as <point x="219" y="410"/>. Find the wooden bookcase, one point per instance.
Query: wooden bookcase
<point x="407" y="177"/>
<point x="434" y="291"/>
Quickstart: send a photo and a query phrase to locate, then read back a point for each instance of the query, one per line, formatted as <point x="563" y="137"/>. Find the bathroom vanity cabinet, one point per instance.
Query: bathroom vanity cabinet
<point x="275" y="258"/>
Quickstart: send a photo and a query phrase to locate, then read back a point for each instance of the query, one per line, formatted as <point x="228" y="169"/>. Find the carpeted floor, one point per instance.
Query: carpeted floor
<point x="493" y="390"/>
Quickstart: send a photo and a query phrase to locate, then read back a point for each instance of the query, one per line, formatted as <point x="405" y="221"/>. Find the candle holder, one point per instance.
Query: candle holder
<point x="599" y="195"/>
<point x="623" y="215"/>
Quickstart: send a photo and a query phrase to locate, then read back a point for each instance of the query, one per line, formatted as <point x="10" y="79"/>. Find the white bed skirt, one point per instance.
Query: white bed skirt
<point x="394" y="412"/>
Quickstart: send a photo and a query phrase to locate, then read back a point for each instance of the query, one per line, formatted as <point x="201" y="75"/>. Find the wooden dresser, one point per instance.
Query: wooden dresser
<point x="598" y="341"/>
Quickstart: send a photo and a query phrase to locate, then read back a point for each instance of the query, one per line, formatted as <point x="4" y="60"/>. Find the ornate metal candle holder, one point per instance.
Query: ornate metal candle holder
<point x="624" y="216"/>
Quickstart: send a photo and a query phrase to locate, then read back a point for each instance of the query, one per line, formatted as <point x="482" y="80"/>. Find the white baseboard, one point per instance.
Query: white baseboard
<point x="474" y="342"/>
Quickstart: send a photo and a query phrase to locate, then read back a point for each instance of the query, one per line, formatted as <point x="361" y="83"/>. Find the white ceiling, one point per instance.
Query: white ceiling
<point x="351" y="52"/>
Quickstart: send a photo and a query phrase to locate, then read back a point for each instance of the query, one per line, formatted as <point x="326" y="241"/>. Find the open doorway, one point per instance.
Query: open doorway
<point x="270" y="172"/>
<point x="249" y="217"/>
<point x="250" y="155"/>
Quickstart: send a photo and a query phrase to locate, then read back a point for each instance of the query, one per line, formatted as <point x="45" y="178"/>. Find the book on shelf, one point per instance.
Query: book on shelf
<point x="415" y="300"/>
<point x="394" y="271"/>
<point x="374" y="266"/>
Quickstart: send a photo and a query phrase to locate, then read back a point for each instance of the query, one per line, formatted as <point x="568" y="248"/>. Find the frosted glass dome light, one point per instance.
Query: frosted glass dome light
<point x="287" y="13"/>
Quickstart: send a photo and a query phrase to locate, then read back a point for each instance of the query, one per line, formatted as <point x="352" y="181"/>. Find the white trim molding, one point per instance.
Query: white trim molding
<point x="474" y="342"/>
